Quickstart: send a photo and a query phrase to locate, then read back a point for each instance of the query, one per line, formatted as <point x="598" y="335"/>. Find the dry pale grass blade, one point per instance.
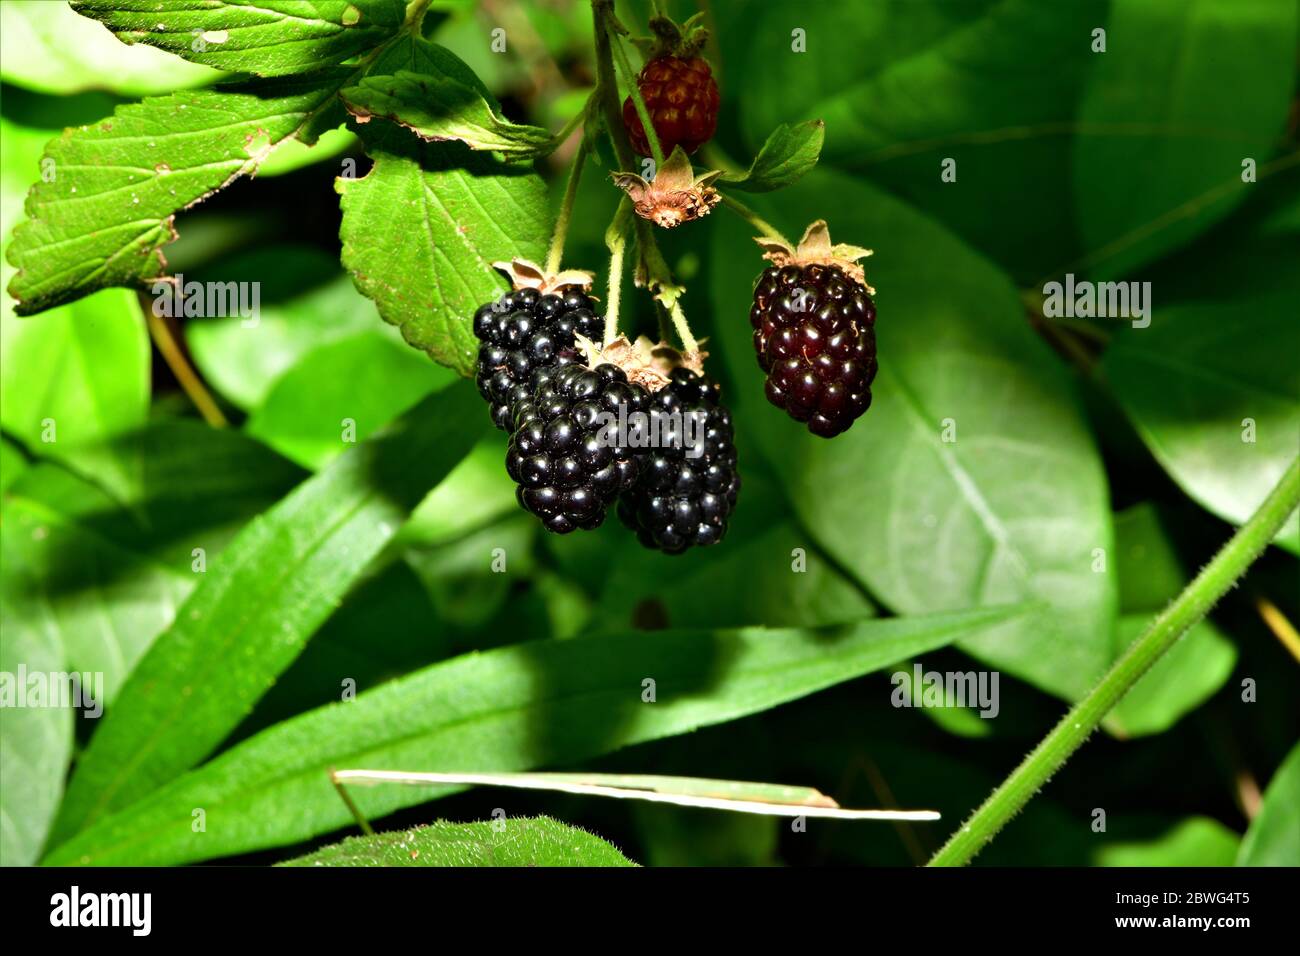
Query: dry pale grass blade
<point x="734" y="795"/>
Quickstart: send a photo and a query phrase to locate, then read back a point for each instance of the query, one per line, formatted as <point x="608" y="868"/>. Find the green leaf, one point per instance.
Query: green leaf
<point x="526" y="705"/>
<point x="105" y="578"/>
<point x="787" y="156"/>
<point x="258" y="605"/>
<point x="1183" y="94"/>
<point x="267" y="38"/>
<point x="294" y="154"/>
<point x="1274" y="835"/>
<point x="1011" y="508"/>
<point x="91" y="360"/>
<point x="514" y="841"/>
<point x="46" y="47"/>
<point x="1151" y="576"/>
<point x="340" y="392"/>
<point x="437" y="107"/>
<point x="35" y="742"/>
<point x="109" y="193"/>
<point x="447" y="214"/>
<point x="1200" y="383"/>
<point x="307" y="301"/>
<point x="1196" y="841"/>
<point x="789" y="582"/>
<point x="905" y="85"/>
<point x="12" y="463"/>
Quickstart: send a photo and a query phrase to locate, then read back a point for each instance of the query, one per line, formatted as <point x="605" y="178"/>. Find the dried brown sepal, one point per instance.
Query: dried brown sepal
<point x="646" y="363"/>
<point x="524" y="274"/>
<point x="675" y="196"/>
<point x="816" y="247"/>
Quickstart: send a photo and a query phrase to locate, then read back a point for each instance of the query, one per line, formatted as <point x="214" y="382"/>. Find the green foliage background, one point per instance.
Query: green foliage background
<point x="329" y="562"/>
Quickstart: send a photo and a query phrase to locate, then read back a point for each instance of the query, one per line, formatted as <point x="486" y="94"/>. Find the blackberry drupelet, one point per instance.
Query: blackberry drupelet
<point x="523" y="335"/>
<point x="681" y="97"/>
<point x="568" y="473"/>
<point x="815" y="338"/>
<point x="681" y="501"/>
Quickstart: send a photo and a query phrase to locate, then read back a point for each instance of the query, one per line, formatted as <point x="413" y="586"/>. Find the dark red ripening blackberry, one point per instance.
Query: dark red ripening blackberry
<point x="525" y="333"/>
<point x="814" y="332"/>
<point x="682" y="99"/>
<point x="569" y="465"/>
<point x="682" y="498"/>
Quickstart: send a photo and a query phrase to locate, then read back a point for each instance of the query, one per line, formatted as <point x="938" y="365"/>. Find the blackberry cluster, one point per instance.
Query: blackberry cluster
<point x="525" y="334"/>
<point x="681" y="97"/>
<point x="567" y="475"/>
<point x="681" y="501"/>
<point x="814" y="331"/>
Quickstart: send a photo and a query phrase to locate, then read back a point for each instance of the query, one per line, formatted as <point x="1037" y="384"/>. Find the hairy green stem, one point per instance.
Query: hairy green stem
<point x="683" y="330"/>
<point x="629" y="77"/>
<point x="616" y="241"/>
<point x="657" y="273"/>
<point x="753" y="218"/>
<point x="1215" y="579"/>
<point x="556" y="252"/>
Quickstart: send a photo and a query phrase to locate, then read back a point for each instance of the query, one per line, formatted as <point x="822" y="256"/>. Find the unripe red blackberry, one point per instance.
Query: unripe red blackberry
<point x="687" y="488"/>
<point x="682" y="99"/>
<point x="561" y="456"/>
<point x="814" y="331"/>
<point x="524" y="333"/>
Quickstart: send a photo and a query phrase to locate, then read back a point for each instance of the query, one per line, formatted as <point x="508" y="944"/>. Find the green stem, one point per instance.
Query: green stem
<point x="616" y="241"/>
<point x="683" y="330"/>
<point x="415" y="11"/>
<point x="629" y="77"/>
<point x="556" y="252"/>
<point x="656" y="269"/>
<point x="753" y="218"/>
<point x="1215" y="579"/>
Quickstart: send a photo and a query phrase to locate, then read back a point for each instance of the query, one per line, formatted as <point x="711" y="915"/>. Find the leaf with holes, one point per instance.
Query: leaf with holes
<point x="110" y="192"/>
<point x="267" y="38"/>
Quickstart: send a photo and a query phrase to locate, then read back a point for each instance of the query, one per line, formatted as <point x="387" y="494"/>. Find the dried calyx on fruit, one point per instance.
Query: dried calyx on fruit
<point x="676" y="195"/>
<point x="678" y="90"/>
<point x="814" y="330"/>
<point x="530" y="331"/>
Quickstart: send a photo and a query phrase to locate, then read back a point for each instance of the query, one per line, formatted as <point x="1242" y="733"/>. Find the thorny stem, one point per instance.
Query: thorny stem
<point x="629" y="77"/>
<point x="753" y="218"/>
<point x="556" y="252"/>
<point x="1216" y="578"/>
<point x="616" y="240"/>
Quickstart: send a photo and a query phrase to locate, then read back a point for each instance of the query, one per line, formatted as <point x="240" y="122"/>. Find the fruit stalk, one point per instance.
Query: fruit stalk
<point x="1215" y="579"/>
<point x="556" y="252"/>
<point x="634" y="90"/>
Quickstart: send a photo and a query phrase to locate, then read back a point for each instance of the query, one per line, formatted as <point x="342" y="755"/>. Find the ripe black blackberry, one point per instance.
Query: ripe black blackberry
<point x="567" y="469"/>
<point x="682" y="501"/>
<point x="526" y="333"/>
<point x="814" y="331"/>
